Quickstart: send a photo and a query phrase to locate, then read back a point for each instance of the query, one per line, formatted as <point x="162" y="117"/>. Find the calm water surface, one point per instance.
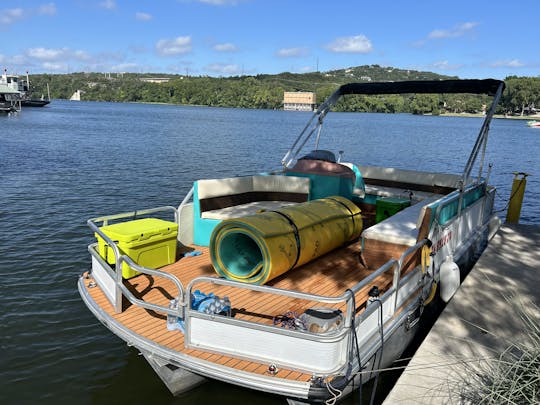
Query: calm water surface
<point x="70" y="161"/>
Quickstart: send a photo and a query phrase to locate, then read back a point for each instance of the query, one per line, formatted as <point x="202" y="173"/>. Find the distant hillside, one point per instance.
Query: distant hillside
<point x="266" y="91"/>
<point x="201" y="89"/>
<point x="366" y="73"/>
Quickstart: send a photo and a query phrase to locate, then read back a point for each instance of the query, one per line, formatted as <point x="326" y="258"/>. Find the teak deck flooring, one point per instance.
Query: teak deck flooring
<point x="330" y="275"/>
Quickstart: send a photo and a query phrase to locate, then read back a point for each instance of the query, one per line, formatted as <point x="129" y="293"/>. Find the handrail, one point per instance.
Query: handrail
<point x="119" y="259"/>
<point x="268" y="290"/>
<point x="345" y="297"/>
<point x="456" y="196"/>
<point x="134" y="214"/>
<point x="157" y="273"/>
<point x="401" y="260"/>
<point x="185" y="200"/>
<point x="383" y="269"/>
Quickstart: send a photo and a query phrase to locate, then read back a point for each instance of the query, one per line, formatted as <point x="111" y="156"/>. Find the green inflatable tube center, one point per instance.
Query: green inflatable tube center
<point x="240" y="254"/>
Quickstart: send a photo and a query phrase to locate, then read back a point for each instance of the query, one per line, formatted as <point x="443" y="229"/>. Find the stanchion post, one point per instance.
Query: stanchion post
<point x="516" y="197"/>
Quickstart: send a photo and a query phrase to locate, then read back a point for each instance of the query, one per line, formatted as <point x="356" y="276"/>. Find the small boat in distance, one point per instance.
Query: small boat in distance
<point x="29" y="100"/>
<point x="304" y="282"/>
<point x="533" y="124"/>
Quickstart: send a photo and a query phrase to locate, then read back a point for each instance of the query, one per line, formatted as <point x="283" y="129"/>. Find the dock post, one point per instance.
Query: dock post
<point x="516" y="197"/>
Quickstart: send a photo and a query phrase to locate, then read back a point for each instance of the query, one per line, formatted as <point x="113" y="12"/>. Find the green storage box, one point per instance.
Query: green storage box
<point x="149" y="242"/>
<point x="388" y="206"/>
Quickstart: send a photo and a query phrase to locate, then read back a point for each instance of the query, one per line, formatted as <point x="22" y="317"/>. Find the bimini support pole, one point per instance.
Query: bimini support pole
<point x="481" y="143"/>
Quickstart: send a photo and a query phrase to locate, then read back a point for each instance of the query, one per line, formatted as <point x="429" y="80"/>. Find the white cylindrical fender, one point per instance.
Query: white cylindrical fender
<point x="449" y="279"/>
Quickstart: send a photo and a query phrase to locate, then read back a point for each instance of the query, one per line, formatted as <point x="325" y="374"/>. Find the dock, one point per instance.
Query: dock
<point x="479" y="322"/>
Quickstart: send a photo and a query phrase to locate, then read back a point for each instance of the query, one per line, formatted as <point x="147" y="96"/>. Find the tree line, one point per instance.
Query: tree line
<point x="521" y="96"/>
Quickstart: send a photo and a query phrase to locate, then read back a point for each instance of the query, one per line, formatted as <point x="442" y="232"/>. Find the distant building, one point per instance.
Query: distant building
<point x="299" y="101"/>
<point x="155" y="79"/>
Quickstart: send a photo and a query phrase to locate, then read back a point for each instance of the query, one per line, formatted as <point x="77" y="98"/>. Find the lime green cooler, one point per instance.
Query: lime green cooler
<point x="149" y="242"/>
<point x="388" y="206"/>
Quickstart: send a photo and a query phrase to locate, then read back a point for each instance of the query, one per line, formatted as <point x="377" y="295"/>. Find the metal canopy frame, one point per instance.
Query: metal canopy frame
<point x="490" y="87"/>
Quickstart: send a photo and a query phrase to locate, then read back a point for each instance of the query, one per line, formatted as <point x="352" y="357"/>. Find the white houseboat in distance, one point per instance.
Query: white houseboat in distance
<point x="26" y="96"/>
<point x="10" y="95"/>
<point x="303" y="283"/>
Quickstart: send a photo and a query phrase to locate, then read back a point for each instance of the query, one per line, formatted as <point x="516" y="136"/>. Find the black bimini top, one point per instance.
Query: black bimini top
<point x="485" y="86"/>
<point x="490" y="87"/>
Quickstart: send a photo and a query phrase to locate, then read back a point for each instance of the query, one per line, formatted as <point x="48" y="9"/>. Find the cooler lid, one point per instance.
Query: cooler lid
<point x="139" y="229"/>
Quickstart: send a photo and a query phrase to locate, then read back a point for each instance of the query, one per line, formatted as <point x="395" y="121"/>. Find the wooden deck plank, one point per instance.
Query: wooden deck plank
<point x="330" y="276"/>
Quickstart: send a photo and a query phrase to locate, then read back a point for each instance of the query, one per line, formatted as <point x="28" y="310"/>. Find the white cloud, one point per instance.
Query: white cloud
<point x="514" y="63"/>
<point x="175" y="46"/>
<point x="46" y="53"/>
<point x="20" y="60"/>
<point x="11" y="15"/>
<point x="108" y="4"/>
<point x="445" y="65"/>
<point x="55" y="66"/>
<point x="355" y="44"/>
<point x="224" y="69"/>
<point x="125" y="67"/>
<point x="457" y="31"/>
<point x="306" y="69"/>
<point x="48" y="9"/>
<point x="58" y="54"/>
<point x="226" y="47"/>
<point x="79" y="55"/>
<point x="291" y="52"/>
<point x="143" y="16"/>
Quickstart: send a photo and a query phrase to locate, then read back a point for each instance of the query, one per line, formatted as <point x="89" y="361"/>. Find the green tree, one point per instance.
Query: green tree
<point x="425" y="104"/>
<point x="521" y="95"/>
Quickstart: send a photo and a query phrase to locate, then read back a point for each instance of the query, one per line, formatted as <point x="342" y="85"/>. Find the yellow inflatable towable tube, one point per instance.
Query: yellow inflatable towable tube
<point x="257" y="248"/>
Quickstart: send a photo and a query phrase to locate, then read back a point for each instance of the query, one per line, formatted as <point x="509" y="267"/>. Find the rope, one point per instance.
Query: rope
<point x="353" y="326"/>
<point x="290" y="320"/>
<point x="510" y="199"/>
<point x="334" y="392"/>
<point x="374" y="389"/>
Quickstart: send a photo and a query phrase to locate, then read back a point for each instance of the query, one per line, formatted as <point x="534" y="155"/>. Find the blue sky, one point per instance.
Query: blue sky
<point x="469" y="39"/>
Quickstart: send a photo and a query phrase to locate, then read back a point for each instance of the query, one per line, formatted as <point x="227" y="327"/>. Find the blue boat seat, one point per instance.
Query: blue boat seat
<point x="215" y="200"/>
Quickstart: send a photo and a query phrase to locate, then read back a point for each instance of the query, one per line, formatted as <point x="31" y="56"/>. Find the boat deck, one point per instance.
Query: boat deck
<point x="330" y="275"/>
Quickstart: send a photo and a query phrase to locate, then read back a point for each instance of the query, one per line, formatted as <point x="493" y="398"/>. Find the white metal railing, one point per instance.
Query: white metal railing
<point x="120" y="259"/>
<point x="389" y="299"/>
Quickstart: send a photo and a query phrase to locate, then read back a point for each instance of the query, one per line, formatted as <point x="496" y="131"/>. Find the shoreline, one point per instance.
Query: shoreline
<point x="465" y="115"/>
<point x="498" y="116"/>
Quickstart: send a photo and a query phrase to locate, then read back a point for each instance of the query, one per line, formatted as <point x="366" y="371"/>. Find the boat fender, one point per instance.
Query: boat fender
<point x="449" y="279"/>
<point x="493" y="227"/>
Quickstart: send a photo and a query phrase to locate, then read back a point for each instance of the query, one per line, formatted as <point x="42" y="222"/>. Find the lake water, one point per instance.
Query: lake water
<point x="71" y="161"/>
